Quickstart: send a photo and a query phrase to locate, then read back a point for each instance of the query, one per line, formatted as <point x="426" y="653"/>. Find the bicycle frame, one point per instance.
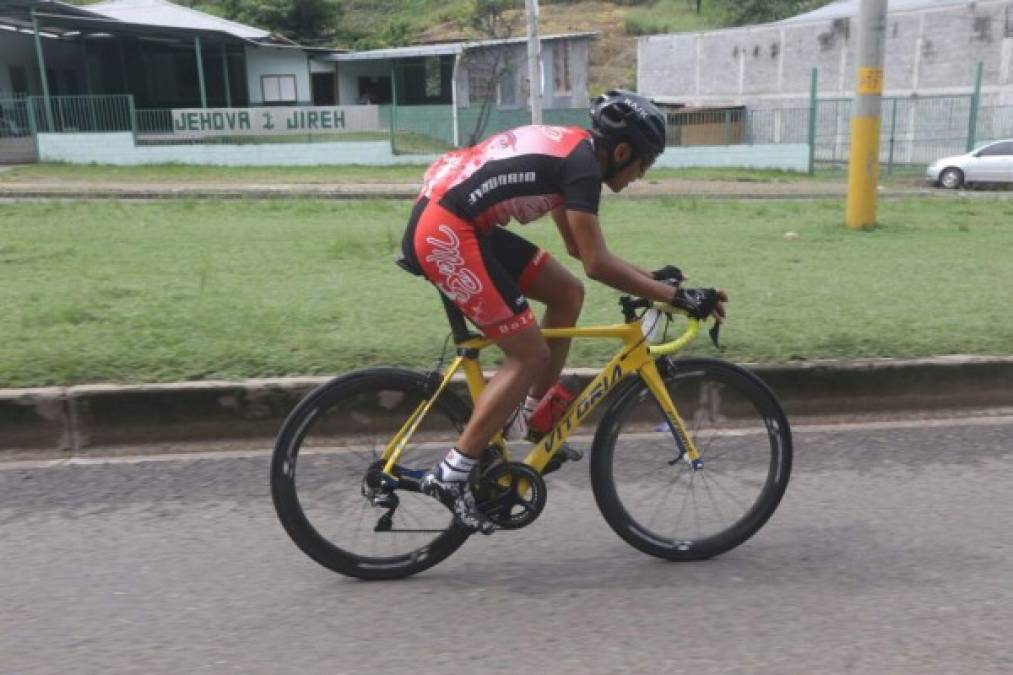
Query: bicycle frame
<point x="634" y="356"/>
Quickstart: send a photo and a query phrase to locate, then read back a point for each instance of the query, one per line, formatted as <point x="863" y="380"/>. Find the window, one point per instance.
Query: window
<point x="434" y="77"/>
<point x="19" y="80"/>
<point x="480" y="79"/>
<point x="278" y="88"/>
<point x="561" y="67"/>
<point x="997" y="149"/>
<point x="508" y="88"/>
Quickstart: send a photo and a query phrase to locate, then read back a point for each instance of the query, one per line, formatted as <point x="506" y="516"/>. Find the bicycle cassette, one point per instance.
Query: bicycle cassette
<point x="511" y="495"/>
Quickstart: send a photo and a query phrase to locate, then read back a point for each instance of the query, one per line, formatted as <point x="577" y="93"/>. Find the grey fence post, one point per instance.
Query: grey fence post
<point x="33" y="125"/>
<point x="893" y="130"/>
<point x="972" y="122"/>
<point x="133" y="116"/>
<point x="393" y="106"/>
<point x="812" y="122"/>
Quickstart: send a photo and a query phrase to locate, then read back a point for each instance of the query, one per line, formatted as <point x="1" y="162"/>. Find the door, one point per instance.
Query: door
<point x="324" y="89"/>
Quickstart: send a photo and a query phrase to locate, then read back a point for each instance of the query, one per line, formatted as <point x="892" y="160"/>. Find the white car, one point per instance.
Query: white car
<point x="988" y="163"/>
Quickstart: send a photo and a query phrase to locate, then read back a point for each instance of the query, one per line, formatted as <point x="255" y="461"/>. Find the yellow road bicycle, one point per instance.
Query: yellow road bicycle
<point x="689" y="459"/>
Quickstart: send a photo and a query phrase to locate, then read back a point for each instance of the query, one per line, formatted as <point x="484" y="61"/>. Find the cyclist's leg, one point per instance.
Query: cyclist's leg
<point x="563" y="296"/>
<point x="526" y="354"/>
<point x="541" y="278"/>
<point x="464" y="265"/>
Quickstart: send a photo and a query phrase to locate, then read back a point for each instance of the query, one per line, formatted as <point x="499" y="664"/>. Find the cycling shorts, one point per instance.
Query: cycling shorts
<point x="484" y="274"/>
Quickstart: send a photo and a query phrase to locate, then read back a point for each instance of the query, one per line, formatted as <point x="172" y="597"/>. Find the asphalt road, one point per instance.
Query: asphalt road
<point x="890" y="554"/>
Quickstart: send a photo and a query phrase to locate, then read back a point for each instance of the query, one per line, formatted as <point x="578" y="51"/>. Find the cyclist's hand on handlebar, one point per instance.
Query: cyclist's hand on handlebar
<point x="701" y="303"/>
<point x="670" y="274"/>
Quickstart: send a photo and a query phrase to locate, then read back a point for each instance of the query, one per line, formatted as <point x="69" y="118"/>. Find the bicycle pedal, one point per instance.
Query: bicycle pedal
<point x="571" y="453"/>
<point x="385" y="500"/>
<point x="566" y="453"/>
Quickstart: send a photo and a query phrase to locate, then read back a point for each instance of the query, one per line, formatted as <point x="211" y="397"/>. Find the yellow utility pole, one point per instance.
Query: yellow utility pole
<point x="863" y="165"/>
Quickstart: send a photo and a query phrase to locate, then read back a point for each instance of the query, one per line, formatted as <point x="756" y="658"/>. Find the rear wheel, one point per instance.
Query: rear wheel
<point x="655" y="499"/>
<point x="327" y="461"/>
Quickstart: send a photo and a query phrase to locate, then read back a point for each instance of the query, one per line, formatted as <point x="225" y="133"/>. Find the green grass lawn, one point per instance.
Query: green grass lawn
<point x="181" y="290"/>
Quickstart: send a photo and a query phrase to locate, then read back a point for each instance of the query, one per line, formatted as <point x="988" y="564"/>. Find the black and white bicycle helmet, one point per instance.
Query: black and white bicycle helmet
<point x="619" y="116"/>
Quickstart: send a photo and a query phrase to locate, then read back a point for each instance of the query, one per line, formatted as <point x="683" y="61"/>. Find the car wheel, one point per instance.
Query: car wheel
<point x="951" y="178"/>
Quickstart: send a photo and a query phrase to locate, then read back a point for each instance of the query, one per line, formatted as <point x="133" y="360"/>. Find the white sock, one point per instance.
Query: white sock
<point x="454" y="468"/>
<point x="530" y="403"/>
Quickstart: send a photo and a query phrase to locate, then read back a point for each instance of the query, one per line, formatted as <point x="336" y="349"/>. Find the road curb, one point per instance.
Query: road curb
<point x="397" y="196"/>
<point x="98" y="419"/>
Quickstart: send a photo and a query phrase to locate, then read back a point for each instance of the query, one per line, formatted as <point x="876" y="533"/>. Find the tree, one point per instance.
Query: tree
<point x="308" y="22"/>
<point x="494" y="20"/>
<point x="747" y="12"/>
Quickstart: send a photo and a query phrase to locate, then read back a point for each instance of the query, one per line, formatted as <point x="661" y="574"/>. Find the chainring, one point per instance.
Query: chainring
<point x="511" y="495"/>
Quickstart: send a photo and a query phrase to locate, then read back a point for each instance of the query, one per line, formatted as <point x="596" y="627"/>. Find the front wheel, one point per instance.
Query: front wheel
<point x="655" y="499"/>
<point x="951" y="178"/>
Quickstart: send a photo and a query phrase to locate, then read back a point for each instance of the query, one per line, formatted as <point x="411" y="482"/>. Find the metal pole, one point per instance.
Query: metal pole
<point x="453" y="100"/>
<point x="972" y="122"/>
<point x="92" y="124"/>
<point x="225" y="74"/>
<point x="200" y="72"/>
<point x="534" y="61"/>
<point x="133" y="116"/>
<point x="393" y="105"/>
<point x="863" y="165"/>
<point x="42" y="75"/>
<point x="893" y="133"/>
<point x="812" y="121"/>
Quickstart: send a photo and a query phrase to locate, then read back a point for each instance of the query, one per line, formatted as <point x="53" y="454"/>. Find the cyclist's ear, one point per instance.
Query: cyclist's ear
<point x="622" y="154"/>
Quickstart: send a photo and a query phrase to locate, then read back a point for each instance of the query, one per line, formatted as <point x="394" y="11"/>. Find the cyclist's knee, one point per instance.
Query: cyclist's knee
<point x="570" y="297"/>
<point x="575" y="294"/>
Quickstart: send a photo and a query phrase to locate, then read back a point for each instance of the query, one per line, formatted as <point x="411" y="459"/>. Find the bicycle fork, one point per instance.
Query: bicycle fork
<point x="656" y="384"/>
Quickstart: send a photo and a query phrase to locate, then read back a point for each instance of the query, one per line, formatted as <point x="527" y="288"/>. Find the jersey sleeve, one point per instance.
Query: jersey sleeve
<point x="580" y="179"/>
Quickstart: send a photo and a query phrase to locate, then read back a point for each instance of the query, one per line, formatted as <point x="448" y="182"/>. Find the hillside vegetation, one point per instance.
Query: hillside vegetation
<point x="371" y="24"/>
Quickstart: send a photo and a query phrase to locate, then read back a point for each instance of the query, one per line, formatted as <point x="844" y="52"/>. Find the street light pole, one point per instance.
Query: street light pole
<point x="863" y="165"/>
<point x="534" y="61"/>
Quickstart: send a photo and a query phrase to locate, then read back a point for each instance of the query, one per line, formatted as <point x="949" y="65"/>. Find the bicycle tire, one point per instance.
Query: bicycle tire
<point x="346" y="423"/>
<point x="698" y="387"/>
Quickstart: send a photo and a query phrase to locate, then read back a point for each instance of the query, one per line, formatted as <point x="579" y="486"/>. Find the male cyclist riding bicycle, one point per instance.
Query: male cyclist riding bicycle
<point x="456" y="237"/>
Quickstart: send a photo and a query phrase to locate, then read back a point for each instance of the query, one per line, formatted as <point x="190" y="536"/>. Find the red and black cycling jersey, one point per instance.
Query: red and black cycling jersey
<point x="522" y="174"/>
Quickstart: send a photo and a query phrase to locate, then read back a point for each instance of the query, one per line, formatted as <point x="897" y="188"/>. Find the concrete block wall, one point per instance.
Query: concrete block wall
<point x="928" y="52"/>
<point x="119" y="148"/>
<point x="786" y="156"/>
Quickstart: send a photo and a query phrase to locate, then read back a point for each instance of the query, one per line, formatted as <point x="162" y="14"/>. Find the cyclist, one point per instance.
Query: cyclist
<point x="457" y="239"/>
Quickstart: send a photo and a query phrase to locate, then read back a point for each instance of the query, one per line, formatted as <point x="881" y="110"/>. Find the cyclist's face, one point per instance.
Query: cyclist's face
<point x="630" y="173"/>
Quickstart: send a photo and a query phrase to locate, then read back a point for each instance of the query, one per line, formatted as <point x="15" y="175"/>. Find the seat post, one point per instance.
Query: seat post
<point x="457" y="325"/>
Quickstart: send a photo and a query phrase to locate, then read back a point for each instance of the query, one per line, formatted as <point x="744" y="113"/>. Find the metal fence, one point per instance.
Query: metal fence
<point x="914" y="130"/>
<point x="81" y="114"/>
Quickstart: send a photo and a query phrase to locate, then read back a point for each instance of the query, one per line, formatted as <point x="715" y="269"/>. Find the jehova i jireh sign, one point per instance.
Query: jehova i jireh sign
<point x="197" y="122"/>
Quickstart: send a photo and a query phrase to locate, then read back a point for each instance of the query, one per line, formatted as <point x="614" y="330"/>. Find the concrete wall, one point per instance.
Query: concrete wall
<point x="119" y="148"/>
<point x="786" y="156"/>
<point x="928" y="52"/>
<point x="277" y="61"/>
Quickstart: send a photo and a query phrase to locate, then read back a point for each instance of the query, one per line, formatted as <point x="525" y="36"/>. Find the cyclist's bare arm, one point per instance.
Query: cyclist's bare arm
<point x="588" y="245"/>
